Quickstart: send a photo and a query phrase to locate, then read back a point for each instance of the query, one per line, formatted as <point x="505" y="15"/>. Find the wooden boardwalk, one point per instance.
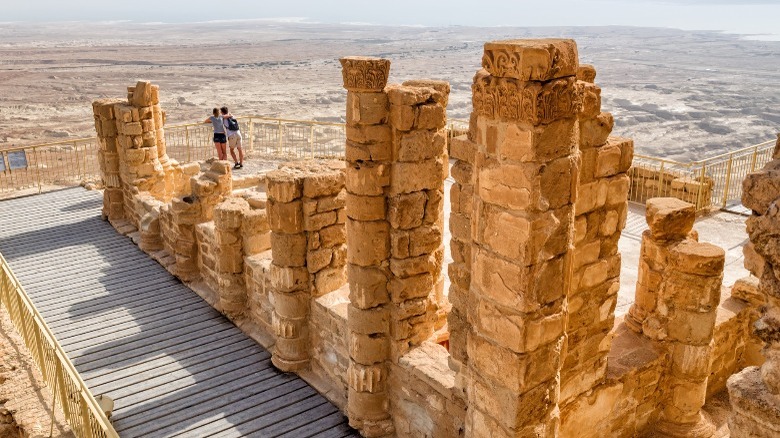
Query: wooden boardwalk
<point x="173" y="365"/>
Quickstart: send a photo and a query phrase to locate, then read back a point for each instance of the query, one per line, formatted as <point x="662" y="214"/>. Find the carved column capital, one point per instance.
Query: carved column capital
<point x="364" y="74"/>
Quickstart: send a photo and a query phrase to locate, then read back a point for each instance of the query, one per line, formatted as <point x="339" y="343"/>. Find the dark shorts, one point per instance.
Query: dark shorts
<point x="220" y="138"/>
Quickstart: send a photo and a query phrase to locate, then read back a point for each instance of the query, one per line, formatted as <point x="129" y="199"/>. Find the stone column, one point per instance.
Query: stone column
<point x="755" y="392"/>
<point x="526" y="106"/>
<point x="600" y="216"/>
<point x="231" y="287"/>
<point x="368" y="156"/>
<point x="415" y="209"/>
<point x="108" y="157"/>
<point x="463" y="151"/>
<point x="306" y="216"/>
<point x="677" y="296"/>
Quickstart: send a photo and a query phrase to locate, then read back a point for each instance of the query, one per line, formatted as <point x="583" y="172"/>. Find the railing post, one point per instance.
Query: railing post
<point x="728" y="181"/>
<point x="187" y="141"/>
<point x="753" y="160"/>
<point x="311" y="141"/>
<point x="279" y="149"/>
<point x="661" y="191"/>
<point x="701" y="187"/>
<point x="251" y="134"/>
<point x="86" y="171"/>
<point x="38" y="169"/>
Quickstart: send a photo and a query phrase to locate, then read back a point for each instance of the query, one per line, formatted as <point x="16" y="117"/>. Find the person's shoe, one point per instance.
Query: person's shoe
<point x="237" y="166"/>
<point x="240" y="165"/>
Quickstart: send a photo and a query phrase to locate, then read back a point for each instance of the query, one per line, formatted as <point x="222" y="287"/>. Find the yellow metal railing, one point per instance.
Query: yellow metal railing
<point x="81" y="410"/>
<point x="62" y="163"/>
<point x="714" y="182"/>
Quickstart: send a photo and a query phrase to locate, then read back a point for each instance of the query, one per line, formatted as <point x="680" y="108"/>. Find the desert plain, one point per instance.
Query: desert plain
<point x="682" y="95"/>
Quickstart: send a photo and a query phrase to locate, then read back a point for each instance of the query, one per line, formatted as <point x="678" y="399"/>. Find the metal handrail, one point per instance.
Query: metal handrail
<point x="82" y="411"/>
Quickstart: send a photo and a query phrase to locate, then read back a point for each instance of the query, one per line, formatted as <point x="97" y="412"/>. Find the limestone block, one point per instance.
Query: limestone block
<point x="369" y="134"/>
<point x="406" y="211"/>
<point x="369" y="321"/>
<point x="531" y="59"/>
<point x="355" y="152"/>
<point x="367" y="286"/>
<point x="284" y="186"/>
<point x="518" y="333"/>
<point x="515" y="142"/>
<point x="229" y="214"/>
<point x="406" y="288"/>
<point x="462" y="149"/>
<point x="760" y="189"/>
<point x="440" y="90"/>
<point x="595" y="131"/>
<point x="420" y="145"/>
<point x="586" y="73"/>
<point x="403" y="117"/>
<point x="329" y="279"/>
<point x="411" y="177"/>
<point x="323" y="184"/>
<point x="692" y="328"/>
<point x="369" y="242"/>
<point x="291" y="305"/>
<point x="316" y="260"/>
<point x="288" y="279"/>
<point x="755" y="410"/>
<point x="365" y="208"/>
<point x="417" y="265"/>
<point x="285" y="217"/>
<point x="368" y="349"/>
<point x="364" y="74"/>
<point x="367" y="108"/>
<point x="698" y="258"/>
<point x="333" y="235"/>
<point x="515" y="101"/>
<point x="430" y="116"/>
<point x="318" y="221"/>
<point x="590" y="94"/>
<point x="367" y="179"/>
<point x="289" y="249"/>
<point x="417" y="242"/>
<point x="669" y="218"/>
<point x="142" y="94"/>
<point x="370" y="379"/>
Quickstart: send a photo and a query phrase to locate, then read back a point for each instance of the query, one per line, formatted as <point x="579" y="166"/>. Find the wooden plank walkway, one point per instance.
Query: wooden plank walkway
<point x="173" y="365"/>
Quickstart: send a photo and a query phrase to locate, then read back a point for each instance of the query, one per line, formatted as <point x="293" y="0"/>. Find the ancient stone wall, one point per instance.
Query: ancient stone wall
<point x="600" y="216"/>
<point x="754" y="393"/>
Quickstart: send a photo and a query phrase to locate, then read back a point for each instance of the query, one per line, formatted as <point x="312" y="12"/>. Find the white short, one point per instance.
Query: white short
<point x="234" y="141"/>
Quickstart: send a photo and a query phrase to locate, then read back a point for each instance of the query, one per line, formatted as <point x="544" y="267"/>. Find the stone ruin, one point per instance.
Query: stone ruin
<point x="337" y="267"/>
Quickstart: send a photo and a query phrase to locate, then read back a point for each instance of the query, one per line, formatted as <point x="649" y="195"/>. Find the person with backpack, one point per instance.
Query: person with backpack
<point x="220" y="139"/>
<point x="233" y="137"/>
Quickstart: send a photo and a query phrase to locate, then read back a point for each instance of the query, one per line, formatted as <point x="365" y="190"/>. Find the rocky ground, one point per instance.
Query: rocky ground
<point x="25" y="401"/>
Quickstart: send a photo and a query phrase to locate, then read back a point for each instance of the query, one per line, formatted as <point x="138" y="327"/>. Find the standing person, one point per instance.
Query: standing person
<point x="220" y="138"/>
<point x="233" y="137"/>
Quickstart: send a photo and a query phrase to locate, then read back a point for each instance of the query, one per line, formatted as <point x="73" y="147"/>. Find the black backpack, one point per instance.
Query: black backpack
<point x="232" y="124"/>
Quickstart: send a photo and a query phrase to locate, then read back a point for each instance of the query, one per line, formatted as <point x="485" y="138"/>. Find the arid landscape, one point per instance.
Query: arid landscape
<point x="684" y="95"/>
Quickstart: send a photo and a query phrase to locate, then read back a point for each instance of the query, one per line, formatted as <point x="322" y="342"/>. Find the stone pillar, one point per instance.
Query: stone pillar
<point x="677" y="296"/>
<point x="231" y="287"/>
<point x="463" y="151"/>
<point x="415" y="209"/>
<point x="600" y="216"/>
<point x="755" y="392"/>
<point x="368" y="156"/>
<point x="525" y="112"/>
<point x="306" y="216"/>
<point x="108" y="157"/>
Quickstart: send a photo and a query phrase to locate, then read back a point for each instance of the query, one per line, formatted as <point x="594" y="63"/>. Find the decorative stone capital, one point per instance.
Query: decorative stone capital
<point x="533" y="102"/>
<point x="532" y="59"/>
<point x="365" y="74"/>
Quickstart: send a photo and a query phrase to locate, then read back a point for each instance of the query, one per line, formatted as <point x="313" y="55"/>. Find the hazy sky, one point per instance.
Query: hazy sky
<point x="742" y="16"/>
